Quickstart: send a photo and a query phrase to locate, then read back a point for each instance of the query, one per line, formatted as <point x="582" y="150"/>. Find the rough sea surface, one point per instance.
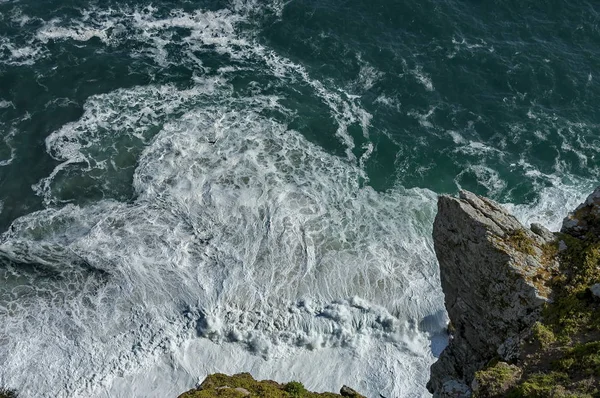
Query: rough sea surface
<point x="223" y="186"/>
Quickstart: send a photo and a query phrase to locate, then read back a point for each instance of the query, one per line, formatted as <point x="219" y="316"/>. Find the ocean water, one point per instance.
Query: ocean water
<point x="226" y="186"/>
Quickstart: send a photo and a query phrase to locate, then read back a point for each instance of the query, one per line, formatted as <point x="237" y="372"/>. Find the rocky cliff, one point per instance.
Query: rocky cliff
<point x="506" y="287"/>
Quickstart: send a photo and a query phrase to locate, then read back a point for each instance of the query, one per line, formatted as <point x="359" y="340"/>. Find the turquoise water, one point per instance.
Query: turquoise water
<point x="257" y="180"/>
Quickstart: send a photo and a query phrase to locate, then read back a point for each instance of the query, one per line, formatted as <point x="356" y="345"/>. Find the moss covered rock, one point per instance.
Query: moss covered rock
<point x="495" y="380"/>
<point x="243" y="385"/>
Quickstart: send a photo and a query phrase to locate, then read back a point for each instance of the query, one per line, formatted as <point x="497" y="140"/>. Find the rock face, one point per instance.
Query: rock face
<point x="585" y="218"/>
<point x="493" y="272"/>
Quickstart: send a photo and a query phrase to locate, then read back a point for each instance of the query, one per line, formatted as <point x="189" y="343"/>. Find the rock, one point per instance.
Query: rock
<point x="562" y="246"/>
<point x="242" y="390"/>
<point x="542" y="232"/>
<point x="493" y="272"/>
<point x="595" y="289"/>
<point x="455" y="389"/>
<point x="586" y="217"/>
<point x="346" y="391"/>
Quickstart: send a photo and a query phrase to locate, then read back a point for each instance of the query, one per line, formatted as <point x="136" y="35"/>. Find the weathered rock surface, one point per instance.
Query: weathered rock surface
<point x="346" y="391"/>
<point x="493" y="272"/>
<point x="585" y="218"/>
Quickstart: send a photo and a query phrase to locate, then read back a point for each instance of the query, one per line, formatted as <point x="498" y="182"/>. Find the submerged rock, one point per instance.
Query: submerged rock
<point x="494" y="274"/>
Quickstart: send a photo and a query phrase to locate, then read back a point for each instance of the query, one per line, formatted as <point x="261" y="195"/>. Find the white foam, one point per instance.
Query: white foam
<point x="18" y="55"/>
<point x="368" y="74"/>
<point x="423" y="78"/>
<point x="486" y="176"/>
<point x="111" y="124"/>
<point x="557" y="196"/>
<point x="57" y="32"/>
<point x="242" y="233"/>
<point x="475" y="148"/>
<point x="419" y="75"/>
<point x="388" y="101"/>
<point x="210" y="31"/>
<point x="423" y="118"/>
<point x="7" y="139"/>
<point x="457" y="137"/>
<point x="463" y="44"/>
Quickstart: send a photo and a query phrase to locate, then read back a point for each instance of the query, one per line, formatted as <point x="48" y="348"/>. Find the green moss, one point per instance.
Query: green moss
<point x="496" y="379"/>
<point x="549" y="252"/>
<point x="581" y="359"/>
<point x="520" y="241"/>
<point x="295" y="389"/>
<point x="566" y="363"/>
<point x="573" y="312"/>
<point x="580" y="262"/>
<point x="542" y="385"/>
<point x="221" y="385"/>
<point x="543" y="335"/>
<point x="563" y="360"/>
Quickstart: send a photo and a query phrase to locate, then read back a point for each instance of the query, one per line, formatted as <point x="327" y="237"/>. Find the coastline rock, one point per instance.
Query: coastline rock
<point x="585" y="218"/>
<point x="493" y="272"/>
<point x="346" y="391"/>
<point x="244" y="385"/>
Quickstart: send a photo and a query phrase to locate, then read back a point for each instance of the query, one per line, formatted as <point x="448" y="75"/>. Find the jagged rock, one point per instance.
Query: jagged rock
<point x="542" y="232"/>
<point x="585" y="218"/>
<point x="493" y="272"/>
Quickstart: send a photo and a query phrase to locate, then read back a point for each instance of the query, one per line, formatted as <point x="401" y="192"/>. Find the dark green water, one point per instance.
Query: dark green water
<point x="514" y="80"/>
<point x="130" y="123"/>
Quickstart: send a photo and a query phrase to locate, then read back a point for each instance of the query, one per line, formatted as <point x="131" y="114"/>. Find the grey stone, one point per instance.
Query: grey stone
<point x="595" y="289"/>
<point x="454" y="389"/>
<point x="346" y="391"/>
<point x="490" y="267"/>
<point x="542" y="232"/>
<point x="562" y="246"/>
<point x="585" y="218"/>
<point x="242" y="390"/>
